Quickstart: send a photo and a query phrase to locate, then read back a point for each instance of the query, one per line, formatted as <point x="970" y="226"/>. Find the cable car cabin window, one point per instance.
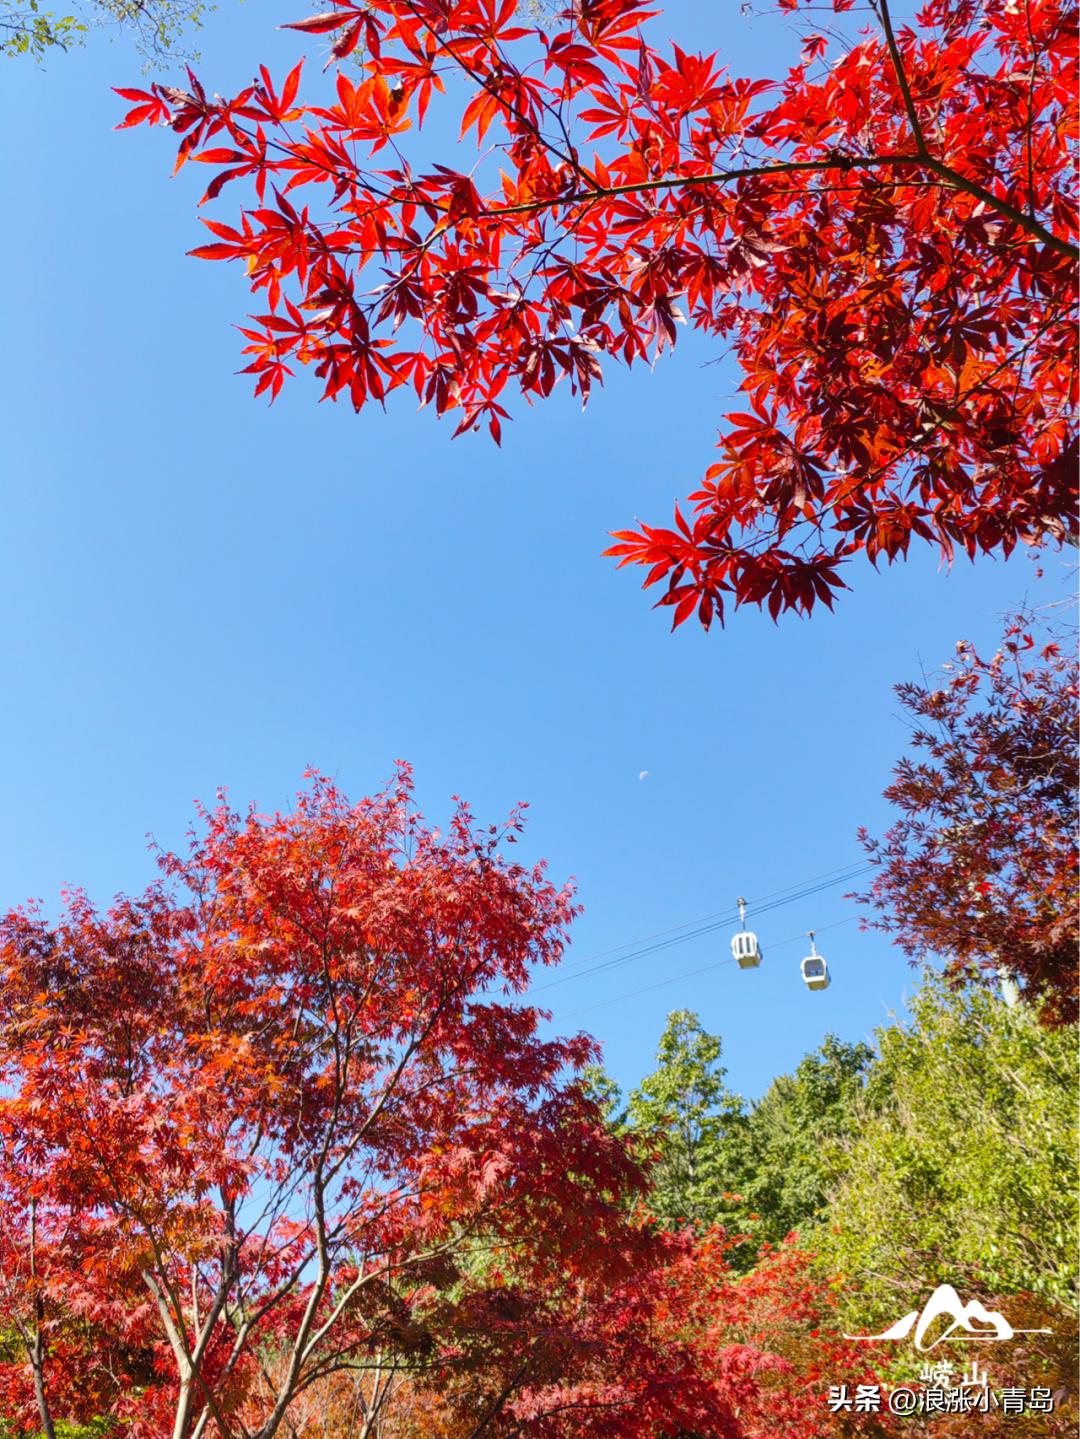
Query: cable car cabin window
<point x="815" y="972"/>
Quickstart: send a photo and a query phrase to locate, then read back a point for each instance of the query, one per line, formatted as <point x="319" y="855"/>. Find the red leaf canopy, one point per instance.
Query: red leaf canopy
<point x="280" y="1103"/>
<point x="979" y="869"/>
<point x="881" y="238"/>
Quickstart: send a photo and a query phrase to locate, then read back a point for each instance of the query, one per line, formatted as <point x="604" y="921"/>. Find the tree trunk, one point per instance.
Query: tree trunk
<point x="38" y="1364"/>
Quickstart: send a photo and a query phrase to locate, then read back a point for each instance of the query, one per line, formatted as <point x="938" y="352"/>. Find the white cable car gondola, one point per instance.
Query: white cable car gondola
<point x="744" y="946"/>
<point x="815" y="971"/>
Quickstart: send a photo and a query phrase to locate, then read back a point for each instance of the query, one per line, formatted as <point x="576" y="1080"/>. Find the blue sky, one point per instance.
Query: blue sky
<point x="199" y="590"/>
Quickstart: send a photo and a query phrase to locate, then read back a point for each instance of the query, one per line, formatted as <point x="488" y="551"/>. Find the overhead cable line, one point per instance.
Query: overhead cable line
<point x="705" y="969"/>
<point x="728" y="917"/>
<point x="725" y="916"/>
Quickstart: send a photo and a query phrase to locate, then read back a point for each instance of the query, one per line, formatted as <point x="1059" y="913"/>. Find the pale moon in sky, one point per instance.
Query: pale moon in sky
<point x="643" y="774"/>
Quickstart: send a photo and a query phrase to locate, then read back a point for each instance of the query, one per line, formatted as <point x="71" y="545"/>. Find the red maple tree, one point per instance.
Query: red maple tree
<point x="679" y="1347"/>
<point x="275" y="1107"/>
<point x="686" y="1349"/>
<point x="81" y="1358"/>
<point x="277" y="1123"/>
<point x="881" y="238"/>
<point x="980" y="869"/>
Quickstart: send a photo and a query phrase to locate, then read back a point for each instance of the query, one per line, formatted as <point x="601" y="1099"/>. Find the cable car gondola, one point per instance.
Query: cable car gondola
<point x="815" y="971"/>
<point x="745" y="949"/>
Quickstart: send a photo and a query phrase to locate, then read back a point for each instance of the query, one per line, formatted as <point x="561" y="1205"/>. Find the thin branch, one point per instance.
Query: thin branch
<point x="901" y="77"/>
<point x="953" y="179"/>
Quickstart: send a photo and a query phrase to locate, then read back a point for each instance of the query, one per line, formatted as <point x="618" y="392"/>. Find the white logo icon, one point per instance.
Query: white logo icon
<point x="973" y="1319"/>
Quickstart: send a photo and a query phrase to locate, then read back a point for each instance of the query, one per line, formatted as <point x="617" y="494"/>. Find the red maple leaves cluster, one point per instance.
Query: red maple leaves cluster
<point x="979" y="870"/>
<point x="881" y="238"/>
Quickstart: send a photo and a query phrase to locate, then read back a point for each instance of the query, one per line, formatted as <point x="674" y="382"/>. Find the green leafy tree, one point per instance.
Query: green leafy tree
<point x="687" y="1113"/>
<point x="95" y="1429"/>
<point x="605" y="1091"/>
<point x="792" y="1143"/>
<point x="156" y="26"/>
<point x="28" y="30"/>
<point x="765" y="1169"/>
<point x="963" y="1169"/>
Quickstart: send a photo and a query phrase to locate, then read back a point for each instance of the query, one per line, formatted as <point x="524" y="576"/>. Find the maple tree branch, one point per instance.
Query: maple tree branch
<point x="1028" y="220"/>
<point x="478" y="79"/>
<point x="960" y="398"/>
<point x="715" y="177"/>
<point x="187" y="1369"/>
<point x="492" y="1410"/>
<point x="1030" y="128"/>
<point x="307" y="1336"/>
<point x="165" y="1294"/>
<point x="288" y="1386"/>
<point x="882" y="7"/>
<point x="379" y="1396"/>
<point x="34" y="1340"/>
<point x="952" y="177"/>
<point x="1010" y="212"/>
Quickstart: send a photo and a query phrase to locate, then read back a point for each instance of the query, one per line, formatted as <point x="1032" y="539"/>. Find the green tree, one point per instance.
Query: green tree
<point x="156" y="26"/>
<point x="792" y="1143"/>
<point x="763" y="1170"/>
<point x="28" y="30"/>
<point x="686" y="1112"/>
<point x="963" y="1168"/>
<point x="600" y="1086"/>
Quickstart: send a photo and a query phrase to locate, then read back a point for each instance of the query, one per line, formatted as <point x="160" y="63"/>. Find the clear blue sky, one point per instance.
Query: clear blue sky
<point x="198" y="590"/>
